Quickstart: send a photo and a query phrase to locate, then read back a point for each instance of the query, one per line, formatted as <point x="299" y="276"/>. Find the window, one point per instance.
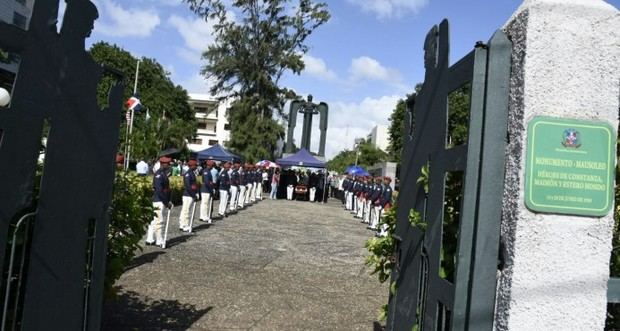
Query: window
<point x="212" y="142"/>
<point x="197" y="141"/>
<point x="19" y="20"/>
<point x="202" y="126"/>
<point x="227" y="127"/>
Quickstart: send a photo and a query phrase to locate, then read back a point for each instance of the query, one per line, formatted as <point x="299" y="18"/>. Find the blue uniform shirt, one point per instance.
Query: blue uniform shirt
<point x="234" y="178"/>
<point x="224" y="180"/>
<point x="207" y="181"/>
<point x="161" y="187"/>
<point x="386" y="197"/>
<point x="190" y="187"/>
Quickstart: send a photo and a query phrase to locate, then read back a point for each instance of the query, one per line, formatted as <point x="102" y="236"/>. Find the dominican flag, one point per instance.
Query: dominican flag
<point x="133" y="103"/>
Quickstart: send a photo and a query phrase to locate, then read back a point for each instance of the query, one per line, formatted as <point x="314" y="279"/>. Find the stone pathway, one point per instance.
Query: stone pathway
<point x="278" y="265"/>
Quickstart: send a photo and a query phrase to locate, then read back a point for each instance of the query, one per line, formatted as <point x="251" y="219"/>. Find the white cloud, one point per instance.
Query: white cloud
<point x="316" y="67"/>
<point x="125" y="22"/>
<point x="197" y="35"/>
<point x="367" y="68"/>
<point x="347" y="121"/>
<point x="390" y="8"/>
<point x="190" y="57"/>
<point x="196" y="84"/>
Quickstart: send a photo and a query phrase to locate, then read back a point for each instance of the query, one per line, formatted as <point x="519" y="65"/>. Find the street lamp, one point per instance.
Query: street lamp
<point x="358" y="142"/>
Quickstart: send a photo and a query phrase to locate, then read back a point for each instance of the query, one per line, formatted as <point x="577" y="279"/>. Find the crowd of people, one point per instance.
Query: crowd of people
<point x="308" y="186"/>
<point x="236" y="186"/>
<point x="367" y="198"/>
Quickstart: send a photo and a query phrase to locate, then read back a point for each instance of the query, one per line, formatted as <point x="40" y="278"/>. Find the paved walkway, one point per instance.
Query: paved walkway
<point x="278" y="265"/>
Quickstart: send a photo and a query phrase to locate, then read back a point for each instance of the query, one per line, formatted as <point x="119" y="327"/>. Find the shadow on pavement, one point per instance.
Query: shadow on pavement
<point x="144" y="259"/>
<point x="178" y="240"/>
<point x="130" y="311"/>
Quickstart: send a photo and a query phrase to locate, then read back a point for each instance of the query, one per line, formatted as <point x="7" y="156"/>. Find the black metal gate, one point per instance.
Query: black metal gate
<point x="446" y="264"/>
<point x="55" y="232"/>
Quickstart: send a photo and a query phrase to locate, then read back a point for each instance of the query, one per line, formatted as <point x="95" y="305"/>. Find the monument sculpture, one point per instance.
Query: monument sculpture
<point x="57" y="85"/>
<point x="309" y="109"/>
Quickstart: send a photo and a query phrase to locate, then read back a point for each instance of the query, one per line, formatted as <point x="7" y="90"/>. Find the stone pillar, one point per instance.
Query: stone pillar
<point x="565" y="64"/>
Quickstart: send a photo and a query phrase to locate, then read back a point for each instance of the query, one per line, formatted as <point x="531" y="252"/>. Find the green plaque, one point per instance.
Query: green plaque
<point x="569" y="166"/>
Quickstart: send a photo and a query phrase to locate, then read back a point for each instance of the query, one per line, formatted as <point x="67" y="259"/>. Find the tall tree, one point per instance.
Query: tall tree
<point x="397" y="125"/>
<point x="172" y="120"/>
<point x="395" y="131"/>
<point x="367" y="155"/>
<point x="250" y="55"/>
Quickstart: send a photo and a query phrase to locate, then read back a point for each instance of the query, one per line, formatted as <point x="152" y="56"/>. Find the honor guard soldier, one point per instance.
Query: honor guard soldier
<point x="243" y="172"/>
<point x="235" y="180"/>
<point x="224" y="188"/>
<point x="386" y="203"/>
<point x="254" y="184"/>
<point x="247" y="178"/>
<point x="190" y="195"/>
<point x="208" y="185"/>
<point x="375" y="203"/>
<point x="161" y="200"/>
<point x="345" y="187"/>
<point x="368" y="187"/>
<point x="355" y="191"/>
<point x="360" y="198"/>
<point x="259" y="184"/>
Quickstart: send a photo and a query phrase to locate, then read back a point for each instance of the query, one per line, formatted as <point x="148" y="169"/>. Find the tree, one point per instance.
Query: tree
<point x="397" y="125"/>
<point x="172" y="120"/>
<point x="395" y="131"/>
<point x="249" y="57"/>
<point x="368" y="155"/>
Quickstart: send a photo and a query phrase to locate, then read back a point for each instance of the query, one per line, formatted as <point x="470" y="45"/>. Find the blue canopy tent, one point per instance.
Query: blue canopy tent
<point x="217" y="153"/>
<point x="356" y="170"/>
<point x="303" y="158"/>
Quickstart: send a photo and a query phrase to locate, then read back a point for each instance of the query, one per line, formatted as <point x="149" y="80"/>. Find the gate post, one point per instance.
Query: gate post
<point x="565" y="65"/>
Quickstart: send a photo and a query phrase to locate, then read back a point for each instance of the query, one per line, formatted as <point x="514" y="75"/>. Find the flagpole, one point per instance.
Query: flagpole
<point x="135" y="90"/>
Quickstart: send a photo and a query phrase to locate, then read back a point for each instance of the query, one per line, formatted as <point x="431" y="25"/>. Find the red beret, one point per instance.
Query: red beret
<point x="388" y="179"/>
<point x="120" y="158"/>
<point x="192" y="163"/>
<point x="165" y="159"/>
<point x="227" y="165"/>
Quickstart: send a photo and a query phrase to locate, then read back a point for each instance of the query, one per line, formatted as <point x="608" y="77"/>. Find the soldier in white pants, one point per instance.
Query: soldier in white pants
<point x="242" y="186"/>
<point x="234" y="187"/>
<point x="312" y="193"/>
<point x="386" y="203"/>
<point x="259" y="184"/>
<point x="249" y="180"/>
<point x="161" y="200"/>
<point x="289" y="192"/>
<point x="190" y="196"/>
<point x="206" y="206"/>
<point x="224" y="179"/>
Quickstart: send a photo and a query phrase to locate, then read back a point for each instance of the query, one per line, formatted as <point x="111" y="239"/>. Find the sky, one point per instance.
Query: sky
<point x="367" y="57"/>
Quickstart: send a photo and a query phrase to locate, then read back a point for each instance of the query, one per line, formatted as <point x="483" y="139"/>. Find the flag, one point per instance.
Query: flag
<point x="133" y="103"/>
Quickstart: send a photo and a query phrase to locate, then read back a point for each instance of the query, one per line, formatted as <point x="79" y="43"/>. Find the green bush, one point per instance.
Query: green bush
<point x="130" y="213"/>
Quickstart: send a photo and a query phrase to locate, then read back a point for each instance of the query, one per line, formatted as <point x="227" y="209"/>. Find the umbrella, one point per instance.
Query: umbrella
<point x="267" y="164"/>
<point x="357" y="171"/>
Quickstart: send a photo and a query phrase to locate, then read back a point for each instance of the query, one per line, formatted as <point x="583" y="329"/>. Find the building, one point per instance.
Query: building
<point x="213" y="126"/>
<point x="379" y="138"/>
<point x="16" y="12"/>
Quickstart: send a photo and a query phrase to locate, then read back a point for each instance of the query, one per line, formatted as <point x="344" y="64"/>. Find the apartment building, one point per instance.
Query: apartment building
<point x="213" y="126"/>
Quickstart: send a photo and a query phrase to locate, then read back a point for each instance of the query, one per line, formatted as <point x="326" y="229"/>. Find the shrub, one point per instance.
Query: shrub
<point x="130" y="213"/>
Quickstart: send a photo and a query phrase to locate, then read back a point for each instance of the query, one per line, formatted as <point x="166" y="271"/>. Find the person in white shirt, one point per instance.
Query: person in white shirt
<point x="142" y="168"/>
